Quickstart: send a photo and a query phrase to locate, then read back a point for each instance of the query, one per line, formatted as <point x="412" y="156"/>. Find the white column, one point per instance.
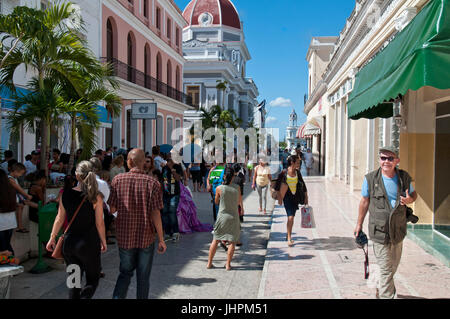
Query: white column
<point x="370" y="146"/>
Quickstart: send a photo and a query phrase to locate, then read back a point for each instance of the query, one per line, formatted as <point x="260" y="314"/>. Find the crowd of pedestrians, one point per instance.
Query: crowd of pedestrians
<point x="143" y="201"/>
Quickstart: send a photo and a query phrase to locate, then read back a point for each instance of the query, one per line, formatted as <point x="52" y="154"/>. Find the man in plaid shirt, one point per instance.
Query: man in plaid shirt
<point x="137" y="199"/>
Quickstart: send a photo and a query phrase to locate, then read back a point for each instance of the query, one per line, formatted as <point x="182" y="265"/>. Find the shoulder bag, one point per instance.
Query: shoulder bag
<point x="57" y="252"/>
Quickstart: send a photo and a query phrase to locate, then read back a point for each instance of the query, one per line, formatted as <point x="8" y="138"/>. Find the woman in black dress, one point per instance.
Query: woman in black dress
<point x="86" y="238"/>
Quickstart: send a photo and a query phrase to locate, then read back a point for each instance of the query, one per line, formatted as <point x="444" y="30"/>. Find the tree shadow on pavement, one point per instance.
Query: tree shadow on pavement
<point x="191" y="281"/>
<point x="281" y="254"/>
<point x="330" y="244"/>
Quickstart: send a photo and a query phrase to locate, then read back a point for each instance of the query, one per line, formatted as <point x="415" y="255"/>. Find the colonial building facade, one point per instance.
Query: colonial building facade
<point x="377" y="89"/>
<point x="216" y="53"/>
<point x="142" y="40"/>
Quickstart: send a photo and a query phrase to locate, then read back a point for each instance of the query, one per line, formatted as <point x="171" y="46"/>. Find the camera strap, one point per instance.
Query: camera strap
<point x="366" y="263"/>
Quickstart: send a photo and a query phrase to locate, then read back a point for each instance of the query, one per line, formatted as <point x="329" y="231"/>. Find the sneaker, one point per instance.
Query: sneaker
<point x="167" y="237"/>
<point x="176" y="237"/>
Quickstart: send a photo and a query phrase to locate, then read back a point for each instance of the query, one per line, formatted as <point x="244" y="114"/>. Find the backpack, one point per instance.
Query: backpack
<point x="216" y="182"/>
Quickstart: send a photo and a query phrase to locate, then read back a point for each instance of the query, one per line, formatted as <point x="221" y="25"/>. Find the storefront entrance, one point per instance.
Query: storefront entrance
<point x="441" y="221"/>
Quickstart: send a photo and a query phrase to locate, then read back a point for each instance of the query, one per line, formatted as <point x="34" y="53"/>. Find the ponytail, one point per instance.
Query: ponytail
<point x="228" y="176"/>
<point x="89" y="186"/>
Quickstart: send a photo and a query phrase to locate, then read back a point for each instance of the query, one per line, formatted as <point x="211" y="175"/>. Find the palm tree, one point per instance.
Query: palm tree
<point x="56" y="52"/>
<point x="82" y="109"/>
<point x="222" y="86"/>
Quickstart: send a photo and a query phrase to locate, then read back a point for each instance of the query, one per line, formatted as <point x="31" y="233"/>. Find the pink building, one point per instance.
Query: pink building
<point x="142" y="39"/>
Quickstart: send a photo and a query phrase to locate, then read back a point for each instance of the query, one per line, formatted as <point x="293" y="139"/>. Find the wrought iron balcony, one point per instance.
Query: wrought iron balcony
<point x="130" y="74"/>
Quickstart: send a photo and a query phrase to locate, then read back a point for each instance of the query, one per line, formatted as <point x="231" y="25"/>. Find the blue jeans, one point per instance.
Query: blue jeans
<point x="169" y="215"/>
<point x="137" y="259"/>
<point x="5" y="240"/>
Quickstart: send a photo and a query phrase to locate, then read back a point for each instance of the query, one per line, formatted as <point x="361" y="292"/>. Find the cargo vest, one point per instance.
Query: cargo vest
<point x="386" y="224"/>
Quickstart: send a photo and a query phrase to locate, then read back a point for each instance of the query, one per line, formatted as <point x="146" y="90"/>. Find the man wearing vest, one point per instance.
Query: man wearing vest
<point x="385" y="194"/>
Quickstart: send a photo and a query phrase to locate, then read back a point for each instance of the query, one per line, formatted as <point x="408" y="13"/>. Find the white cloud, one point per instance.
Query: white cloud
<point x="271" y="119"/>
<point x="281" y="102"/>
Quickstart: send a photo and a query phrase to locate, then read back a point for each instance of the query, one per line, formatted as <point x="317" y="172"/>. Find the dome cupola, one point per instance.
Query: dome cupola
<point x="205" y="13"/>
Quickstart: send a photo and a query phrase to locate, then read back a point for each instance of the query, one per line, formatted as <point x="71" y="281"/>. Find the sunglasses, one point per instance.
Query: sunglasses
<point x="384" y="158"/>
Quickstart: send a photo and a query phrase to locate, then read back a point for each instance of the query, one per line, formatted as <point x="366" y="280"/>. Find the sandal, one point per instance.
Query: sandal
<point x="22" y="230"/>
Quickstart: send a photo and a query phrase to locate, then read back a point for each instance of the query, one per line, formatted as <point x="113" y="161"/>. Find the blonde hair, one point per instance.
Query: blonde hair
<point x="89" y="186"/>
<point x="118" y="160"/>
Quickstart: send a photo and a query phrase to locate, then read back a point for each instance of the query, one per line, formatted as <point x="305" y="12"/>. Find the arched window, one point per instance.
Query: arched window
<point x="131" y="58"/>
<point x="169" y="131"/>
<point x="169" y="73"/>
<point x="160" y="131"/>
<point x="178" y="79"/>
<point x="159" y="72"/>
<point x="146" y="8"/>
<point x="169" y="29"/>
<point x="158" y="18"/>
<point x="177" y="126"/>
<point x="147" y="65"/>
<point x="109" y="41"/>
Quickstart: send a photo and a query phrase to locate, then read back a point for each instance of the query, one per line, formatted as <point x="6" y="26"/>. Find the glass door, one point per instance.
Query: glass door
<point x="441" y="221"/>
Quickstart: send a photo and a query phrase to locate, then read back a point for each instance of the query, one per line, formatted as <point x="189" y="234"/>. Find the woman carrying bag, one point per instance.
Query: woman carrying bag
<point x="261" y="182"/>
<point x="292" y="192"/>
<point x="227" y="227"/>
<point x="84" y="238"/>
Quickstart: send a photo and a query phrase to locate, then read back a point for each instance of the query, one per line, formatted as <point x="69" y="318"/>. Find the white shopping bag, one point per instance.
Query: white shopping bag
<point x="307" y="216"/>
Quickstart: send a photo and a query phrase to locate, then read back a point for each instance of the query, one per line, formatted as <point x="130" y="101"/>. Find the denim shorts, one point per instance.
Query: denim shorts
<point x="290" y="207"/>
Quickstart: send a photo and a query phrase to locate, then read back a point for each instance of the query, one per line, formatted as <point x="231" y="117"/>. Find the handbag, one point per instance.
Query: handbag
<point x="57" y="252"/>
<point x="306" y="217"/>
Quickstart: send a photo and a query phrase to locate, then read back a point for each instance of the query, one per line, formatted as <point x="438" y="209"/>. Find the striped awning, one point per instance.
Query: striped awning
<point x="300" y="131"/>
<point x="312" y="127"/>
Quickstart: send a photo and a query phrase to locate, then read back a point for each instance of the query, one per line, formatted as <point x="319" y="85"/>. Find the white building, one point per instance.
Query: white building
<point x="142" y="40"/>
<point x="291" y="131"/>
<point x="215" y="51"/>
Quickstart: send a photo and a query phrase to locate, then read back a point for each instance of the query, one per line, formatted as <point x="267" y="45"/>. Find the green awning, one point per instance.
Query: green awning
<point x="418" y="56"/>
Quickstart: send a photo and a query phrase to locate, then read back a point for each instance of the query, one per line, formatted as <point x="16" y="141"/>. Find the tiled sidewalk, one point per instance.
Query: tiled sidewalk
<point x="325" y="262"/>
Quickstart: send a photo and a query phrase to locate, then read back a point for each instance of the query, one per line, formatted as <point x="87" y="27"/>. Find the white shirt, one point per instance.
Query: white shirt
<point x="103" y="188"/>
<point x="158" y="160"/>
<point x="308" y="159"/>
<point x="8" y="221"/>
<point x="31" y="168"/>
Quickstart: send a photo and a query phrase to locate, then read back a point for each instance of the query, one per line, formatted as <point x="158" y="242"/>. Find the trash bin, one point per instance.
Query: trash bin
<point x="47" y="215"/>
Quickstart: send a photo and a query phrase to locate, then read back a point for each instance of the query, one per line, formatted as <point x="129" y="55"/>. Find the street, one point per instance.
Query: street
<point x="324" y="263"/>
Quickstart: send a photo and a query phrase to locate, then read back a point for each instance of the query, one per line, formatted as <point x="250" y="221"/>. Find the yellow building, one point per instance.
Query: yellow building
<point x="387" y="82"/>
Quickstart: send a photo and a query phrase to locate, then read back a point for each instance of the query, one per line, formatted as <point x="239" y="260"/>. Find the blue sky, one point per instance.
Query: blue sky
<point x="278" y="34"/>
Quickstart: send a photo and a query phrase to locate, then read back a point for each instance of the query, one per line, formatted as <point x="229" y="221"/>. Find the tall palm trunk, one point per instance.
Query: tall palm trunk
<point x="44" y="146"/>
<point x="72" y="142"/>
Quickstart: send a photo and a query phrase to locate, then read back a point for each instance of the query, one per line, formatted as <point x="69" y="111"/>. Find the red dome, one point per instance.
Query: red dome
<point x="212" y="12"/>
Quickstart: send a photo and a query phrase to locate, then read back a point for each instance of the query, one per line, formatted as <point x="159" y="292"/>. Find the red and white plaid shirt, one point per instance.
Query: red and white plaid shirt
<point x="135" y="195"/>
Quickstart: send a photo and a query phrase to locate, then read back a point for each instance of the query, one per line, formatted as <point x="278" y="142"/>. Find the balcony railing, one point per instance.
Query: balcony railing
<point x="130" y="74"/>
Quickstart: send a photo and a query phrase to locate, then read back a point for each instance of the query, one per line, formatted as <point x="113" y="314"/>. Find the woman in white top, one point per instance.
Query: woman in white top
<point x="8" y="220"/>
<point x="261" y="182"/>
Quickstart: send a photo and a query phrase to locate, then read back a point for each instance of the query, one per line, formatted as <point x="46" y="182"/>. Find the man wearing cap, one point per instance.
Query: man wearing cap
<point x="385" y="194"/>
